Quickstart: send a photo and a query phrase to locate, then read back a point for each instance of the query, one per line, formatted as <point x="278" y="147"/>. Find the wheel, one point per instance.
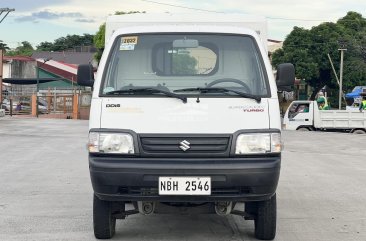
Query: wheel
<point x="265" y="220"/>
<point x="104" y="222"/>
<point x="229" y="80"/>
<point x="303" y="129"/>
<point x="359" y="132"/>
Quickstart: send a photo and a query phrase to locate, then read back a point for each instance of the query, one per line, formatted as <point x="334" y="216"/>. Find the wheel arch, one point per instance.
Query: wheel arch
<point x="310" y="128"/>
<point x="358" y="131"/>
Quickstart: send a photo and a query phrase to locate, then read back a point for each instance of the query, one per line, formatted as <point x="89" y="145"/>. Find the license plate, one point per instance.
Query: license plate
<point x="184" y="185"/>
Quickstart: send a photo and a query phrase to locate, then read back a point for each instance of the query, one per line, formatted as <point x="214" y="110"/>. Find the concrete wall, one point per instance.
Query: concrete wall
<point x="23" y="69"/>
<point x="6" y="70"/>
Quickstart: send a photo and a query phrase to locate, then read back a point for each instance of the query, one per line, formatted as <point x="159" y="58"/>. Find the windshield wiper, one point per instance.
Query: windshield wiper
<point x="150" y="90"/>
<point x="220" y="90"/>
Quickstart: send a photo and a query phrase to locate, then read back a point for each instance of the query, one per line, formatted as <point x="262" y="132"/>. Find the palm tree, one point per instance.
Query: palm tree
<point x="3" y="46"/>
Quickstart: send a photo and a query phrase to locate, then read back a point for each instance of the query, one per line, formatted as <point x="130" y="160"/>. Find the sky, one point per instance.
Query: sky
<point x="37" y="21"/>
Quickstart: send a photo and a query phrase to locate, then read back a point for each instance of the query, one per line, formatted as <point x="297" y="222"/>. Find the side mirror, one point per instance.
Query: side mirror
<point x="85" y="76"/>
<point x="285" y="77"/>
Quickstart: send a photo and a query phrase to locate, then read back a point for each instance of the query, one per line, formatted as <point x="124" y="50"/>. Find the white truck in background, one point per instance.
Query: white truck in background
<point x="185" y="116"/>
<point x="306" y="116"/>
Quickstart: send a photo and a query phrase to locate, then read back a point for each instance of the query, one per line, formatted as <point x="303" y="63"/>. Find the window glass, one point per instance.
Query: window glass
<point x="193" y="61"/>
<point x="297" y="108"/>
<point x="181" y="61"/>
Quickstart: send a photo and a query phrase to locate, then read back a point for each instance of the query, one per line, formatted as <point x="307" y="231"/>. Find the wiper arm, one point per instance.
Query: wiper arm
<point x="150" y="90"/>
<point x="216" y="89"/>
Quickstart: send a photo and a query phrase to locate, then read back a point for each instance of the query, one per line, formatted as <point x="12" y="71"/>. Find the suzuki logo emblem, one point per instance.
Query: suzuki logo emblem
<point x="184" y="145"/>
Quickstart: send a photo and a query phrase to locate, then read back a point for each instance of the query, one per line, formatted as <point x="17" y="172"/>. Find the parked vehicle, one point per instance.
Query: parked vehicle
<point x="306" y="116"/>
<point x="185" y="114"/>
<point x="24" y="105"/>
<point x="354" y="98"/>
<point x="6" y="105"/>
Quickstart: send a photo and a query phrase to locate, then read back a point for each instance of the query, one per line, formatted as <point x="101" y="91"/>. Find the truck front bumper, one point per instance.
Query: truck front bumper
<point x="232" y="179"/>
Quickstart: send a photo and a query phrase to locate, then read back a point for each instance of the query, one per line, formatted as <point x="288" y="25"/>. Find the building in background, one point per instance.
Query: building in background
<point x="75" y="58"/>
<point x="61" y="65"/>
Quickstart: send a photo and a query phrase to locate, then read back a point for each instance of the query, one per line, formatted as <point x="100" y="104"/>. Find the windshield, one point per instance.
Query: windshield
<point x="180" y="61"/>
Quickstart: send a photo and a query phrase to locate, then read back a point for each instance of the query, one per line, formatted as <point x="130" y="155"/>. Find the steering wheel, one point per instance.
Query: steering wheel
<point x="230" y="80"/>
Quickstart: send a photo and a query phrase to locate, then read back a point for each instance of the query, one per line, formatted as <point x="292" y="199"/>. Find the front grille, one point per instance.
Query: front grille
<point x="193" y="145"/>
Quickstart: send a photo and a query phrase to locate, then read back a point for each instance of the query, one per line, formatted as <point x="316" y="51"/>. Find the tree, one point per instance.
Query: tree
<point x="3" y="46"/>
<point x="184" y="64"/>
<point x="99" y="41"/>
<point x="45" y="46"/>
<point x="355" y="56"/>
<point x="72" y="41"/>
<point x="308" y="49"/>
<point x="25" y="49"/>
<point x="67" y="43"/>
<point x="99" y="37"/>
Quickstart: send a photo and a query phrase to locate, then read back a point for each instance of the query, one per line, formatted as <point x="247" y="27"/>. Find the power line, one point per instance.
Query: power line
<point x="179" y="6"/>
<point x="213" y="11"/>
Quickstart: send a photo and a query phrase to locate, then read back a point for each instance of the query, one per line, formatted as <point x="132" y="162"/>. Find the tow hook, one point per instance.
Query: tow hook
<point x="146" y="208"/>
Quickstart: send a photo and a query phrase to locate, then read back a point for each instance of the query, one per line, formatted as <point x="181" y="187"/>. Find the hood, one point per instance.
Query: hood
<point x="170" y="115"/>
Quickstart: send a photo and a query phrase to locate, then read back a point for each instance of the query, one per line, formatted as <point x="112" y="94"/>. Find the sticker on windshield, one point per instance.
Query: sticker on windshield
<point x="127" y="47"/>
<point x="128" y="43"/>
<point x="129" y="40"/>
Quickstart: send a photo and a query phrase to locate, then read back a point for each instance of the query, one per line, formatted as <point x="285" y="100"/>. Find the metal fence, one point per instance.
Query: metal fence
<point x="17" y="101"/>
<point x="54" y="103"/>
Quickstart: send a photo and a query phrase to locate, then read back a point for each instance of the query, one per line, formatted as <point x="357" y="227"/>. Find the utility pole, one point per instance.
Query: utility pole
<point x="342" y="49"/>
<point x="6" y="11"/>
<point x="336" y="75"/>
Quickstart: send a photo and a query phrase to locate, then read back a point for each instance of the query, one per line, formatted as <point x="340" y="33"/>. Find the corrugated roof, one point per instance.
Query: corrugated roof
<point x="66" y="57"/>
<point x="67" y="71"/>
<point x="20" y="58"/>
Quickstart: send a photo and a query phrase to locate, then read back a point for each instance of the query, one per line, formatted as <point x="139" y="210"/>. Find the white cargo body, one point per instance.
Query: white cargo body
<point x="256" y="23"/>
<point x="305" y="115"/>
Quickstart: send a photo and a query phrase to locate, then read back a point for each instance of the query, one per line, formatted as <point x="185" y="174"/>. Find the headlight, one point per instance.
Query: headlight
<point x="110" y="143"/>
<point x="258" y="143"/>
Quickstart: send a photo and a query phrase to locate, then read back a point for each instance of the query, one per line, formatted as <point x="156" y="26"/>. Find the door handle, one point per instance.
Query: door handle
<point x="306" y="119"/>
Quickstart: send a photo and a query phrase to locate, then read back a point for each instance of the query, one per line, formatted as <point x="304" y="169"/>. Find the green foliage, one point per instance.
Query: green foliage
<point x="184" y="64"/>
<point x="98" y="40"/>
<point x="25" y="49"/>
<point x="66" y="43"/>
<point x="45" y="46"/>
<point x="355" y="57"/>
<point x="3" y="46"/>
<point x="308" y="49"/>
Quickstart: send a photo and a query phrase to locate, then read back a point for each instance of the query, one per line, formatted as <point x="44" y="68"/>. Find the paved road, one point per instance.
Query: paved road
<point x="45" y="191"/>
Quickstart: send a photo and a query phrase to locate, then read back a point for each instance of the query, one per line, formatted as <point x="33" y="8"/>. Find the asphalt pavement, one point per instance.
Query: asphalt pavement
<point x="45" y="190"/>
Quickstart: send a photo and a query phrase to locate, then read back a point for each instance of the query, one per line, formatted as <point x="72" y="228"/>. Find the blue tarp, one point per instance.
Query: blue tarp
<point x="355" y="93"/>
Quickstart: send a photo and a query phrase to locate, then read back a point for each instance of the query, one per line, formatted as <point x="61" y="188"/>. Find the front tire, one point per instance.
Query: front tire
<point x="359" y="132"/>
<point x="265" y="219"/>
<point x="104" y="222"/>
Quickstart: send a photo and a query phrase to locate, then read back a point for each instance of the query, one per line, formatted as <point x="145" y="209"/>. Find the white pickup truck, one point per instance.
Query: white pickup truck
<point x="185" y="114"/>
<point x="306" y="116"/>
